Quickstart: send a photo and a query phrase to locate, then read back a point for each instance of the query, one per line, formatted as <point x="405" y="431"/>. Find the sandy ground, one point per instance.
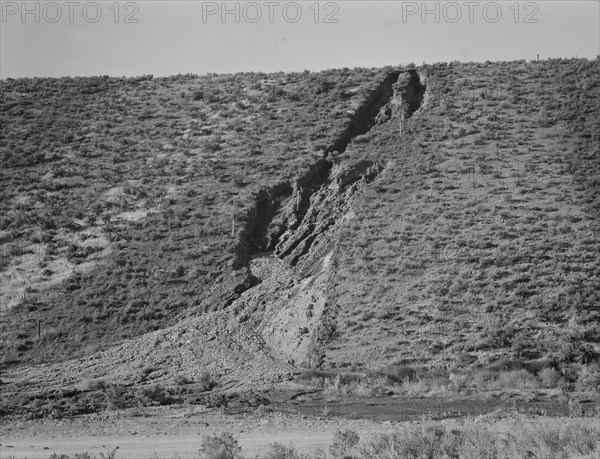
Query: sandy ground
<point x="176" y="433"/>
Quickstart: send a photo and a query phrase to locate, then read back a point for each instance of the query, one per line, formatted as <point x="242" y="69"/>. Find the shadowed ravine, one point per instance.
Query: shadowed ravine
<point x="298" y="221"/>
<point x="287" y="202"/>
<point x="294" y="228"/>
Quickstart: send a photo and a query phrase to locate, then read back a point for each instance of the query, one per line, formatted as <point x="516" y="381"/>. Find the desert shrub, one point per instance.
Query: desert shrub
<point x="408" y="380"/>
<point x="482" y="379"/>
<point x="279" y="451"/>
<point x="343" y="443"/>
<point x="475" y="441"/>
<point x="398" y="373"/>
<point x="156" y="395"/>
<point x="94" y="384"/>
<point x="252" y="400"/>
<point x="222" y="446"/>
<point x="215" y="400"/>
<point x="416" y="442"/>
<point x="419" y="387"/>
<point x="311" y="375"/>
<point x="110" y="454"/>
<point x="90" y="402"/>
<point x="589" y="378"/>
<point x="452" y="443"/>
<point x="578" y="352"/>
<point x="212" y="146"/>
<point x="549" y="377"/>
<point x="363" y="385"/>
<point x="181" y="380"/>
<point x="206" y="380"/>
<point x="575" y="408"/>
<point x="115" y="397"/>
<point x="381" y="446"/>
<point x="84" y="455"/>
<point x="519" y="379"/>
<point x="459" y="381"/>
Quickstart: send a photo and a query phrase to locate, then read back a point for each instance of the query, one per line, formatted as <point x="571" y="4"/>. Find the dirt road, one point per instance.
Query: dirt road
<point x="172" y="433"/>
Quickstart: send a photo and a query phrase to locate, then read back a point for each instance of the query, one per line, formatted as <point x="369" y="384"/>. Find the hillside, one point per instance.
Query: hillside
<point x="481" y="240"/>
<point x="444" y="216"/>
<point x="119" y="194"/>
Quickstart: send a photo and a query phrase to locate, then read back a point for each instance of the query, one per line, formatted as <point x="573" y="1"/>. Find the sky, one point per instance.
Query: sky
<point x="129" y="38"/>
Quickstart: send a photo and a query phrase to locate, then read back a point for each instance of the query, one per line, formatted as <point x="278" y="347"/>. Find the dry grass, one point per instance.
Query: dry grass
<point x="512" y="438"/>
<point x="509" y="437"/>
<point x="493" y="381"/>
<point x="477" y="242"/>
<point x="481" y="237"/>
<point x="543" y="439"/>
<point x="152" y="170"/>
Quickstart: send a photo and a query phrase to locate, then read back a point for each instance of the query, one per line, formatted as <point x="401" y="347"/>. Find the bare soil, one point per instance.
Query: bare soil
<point x="171" y="432"/>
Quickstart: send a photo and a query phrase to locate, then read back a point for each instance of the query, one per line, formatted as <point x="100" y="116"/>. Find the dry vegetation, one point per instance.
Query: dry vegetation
<point x="481" y="241"/>
<point x="501" y="436"/>
<point x="118" y="194"/>
<point x="454" y="252"/>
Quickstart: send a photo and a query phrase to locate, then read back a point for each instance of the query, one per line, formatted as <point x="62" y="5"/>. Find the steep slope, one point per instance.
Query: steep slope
<point x="290" y="234"/>
<point x="480" y="242"/>
<point x="451" y="218"/>
<point x="436" y="239"/>
<point x="427" y="243"/>
<point x="119" y="195"/>
<point x="231" y="353"/>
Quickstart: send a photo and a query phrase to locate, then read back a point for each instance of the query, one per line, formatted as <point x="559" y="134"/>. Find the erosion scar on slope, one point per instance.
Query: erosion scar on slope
<point x="281" y="209"/>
